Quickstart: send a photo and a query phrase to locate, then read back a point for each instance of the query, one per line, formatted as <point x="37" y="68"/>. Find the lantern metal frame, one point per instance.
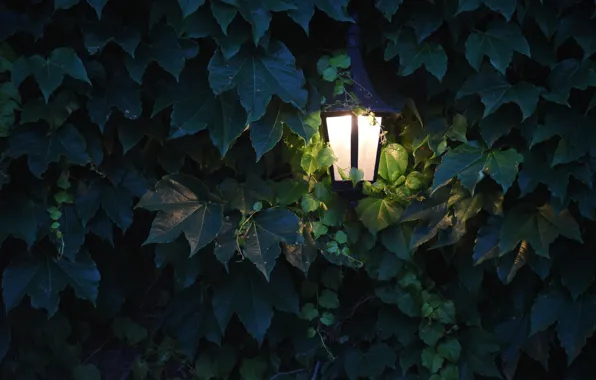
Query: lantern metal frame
<point x="368" y="99"/>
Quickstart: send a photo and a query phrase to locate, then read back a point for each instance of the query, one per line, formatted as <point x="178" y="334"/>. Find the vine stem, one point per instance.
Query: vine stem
<point x="287" y="373"/>
<point x="96" y="351"/>
<point x="316" y="371"/>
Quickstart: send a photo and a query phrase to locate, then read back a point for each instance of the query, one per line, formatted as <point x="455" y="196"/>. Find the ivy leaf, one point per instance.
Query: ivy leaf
<point x="388" y="7"/>
<point x="305" y="124"/>
<point x="42" y="278"/>
<point x="242" y="196"/>
<point x="43" y="148"/>
<point x="17" y="219"/>
<point x="328" y="299"/>
<point x="49" y="73"/>
<point x="487" y="241"/>
<point x="265" y="233"/>
<point x="377" y="214"/>
<point x="246" y="294"/>
<point x="189" y="317"/>
<point x="546" y="309"/>
<point x="253" y="368"/>
<point x="504" y="7"/>
<point x="259" y="74"/>
<point x="538" y="226"/>
<point x="470" y="163"/>
<point x="498" y="43"/>
<point x="186" y="269"/>
<point x="98" y="34"/>
<point x="567" y="74"/>
<point x="577" y="323"/>
<point x="393" y="162"/>
<point x="425" y="22"/>
<point x="98" y="5"/>
<point x="266" y="132"/>
<point x="121" y="92"/>
<point x="166" y="49"/>
<point x="494" y="91"/>
<point x="413" y="55"/>
<point x="185" y="206"/>
<point x="190" y="6"/>
<point x="196" y="108"/>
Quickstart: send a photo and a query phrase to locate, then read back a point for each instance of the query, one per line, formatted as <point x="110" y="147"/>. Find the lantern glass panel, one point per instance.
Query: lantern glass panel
<point x="339" y="130"/>
<point x="368" y="145"/>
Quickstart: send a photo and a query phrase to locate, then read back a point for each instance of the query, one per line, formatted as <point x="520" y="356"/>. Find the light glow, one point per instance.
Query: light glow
<point x="339" y="129"/>
<point x="368" y="145"/>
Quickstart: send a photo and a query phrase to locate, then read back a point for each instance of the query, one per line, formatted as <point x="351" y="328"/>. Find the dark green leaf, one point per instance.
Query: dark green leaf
<point x="17" y="219"/>
<point x="166" y="49"/>
<point x="498" y="43"/>
<point x="266" y="231"/>
<point x="246" y="294"/>
<point x="258" y="74"/>
<point x="97" y="5"/>
<point x="577" y="323"/>
<point x="42" y="278"/>
<point x="266" y="132"/>
<point x="494" y="91"/>
<point x="388" y="7"/>
<point x="98" y="35"/>
<point x="184" y="206"/>
<point x="50" y="72"/>
<point x="547" y="308"/>
<point x="470" y="163"/>
<point x="538" y="226"/>
<point x="189" y="6"/>
<point x="186" y="269"/>
<point x="370" y="364"/>
<point x="504" y="7"/>
<point x="43" y="148"/>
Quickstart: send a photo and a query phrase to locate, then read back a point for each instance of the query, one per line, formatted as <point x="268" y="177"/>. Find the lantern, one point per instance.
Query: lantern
<point x="356" y="139"/>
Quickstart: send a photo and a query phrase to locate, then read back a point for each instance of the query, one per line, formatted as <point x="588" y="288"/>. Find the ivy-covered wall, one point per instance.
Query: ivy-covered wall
<point x="166" y="210"/>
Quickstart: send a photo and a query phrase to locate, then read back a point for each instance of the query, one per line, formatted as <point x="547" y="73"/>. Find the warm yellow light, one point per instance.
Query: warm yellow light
<point x="368" y="145"/>
<point x="339" y="129"/>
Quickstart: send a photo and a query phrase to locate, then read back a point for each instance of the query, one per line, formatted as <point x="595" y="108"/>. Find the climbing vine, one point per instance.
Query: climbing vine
<point x="166" y="208"/>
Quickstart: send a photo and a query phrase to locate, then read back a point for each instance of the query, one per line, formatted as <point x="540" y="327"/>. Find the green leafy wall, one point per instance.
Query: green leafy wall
<point x="166" y="210"/>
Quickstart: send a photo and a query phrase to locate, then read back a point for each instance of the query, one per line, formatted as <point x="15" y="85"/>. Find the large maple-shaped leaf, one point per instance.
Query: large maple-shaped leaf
<point x="194" y="108"/>
<point x="43" y="147"/>
<point x="413" y="55"/>
<point x="470" y="163"/>
<point x="538" y="226"/>
<point x="166" y="49"/>
<point x="185" y="206"/>
<point x="17" y="219"/>
<point x="49" y="73"/>
<point x="546" y="308"/>
<point x="266" y="231"/>
<point x="432" y="216"/>
<point x="243" y="196"/>
<point x="377" y="214"/>
<point x="245" y="293"/>
<point x="42" y="278"/>
<point x="259" y="74"/>
<point x="494" y="91"/>
<point x="504" y="7"/>
<point x="498" y="43"/>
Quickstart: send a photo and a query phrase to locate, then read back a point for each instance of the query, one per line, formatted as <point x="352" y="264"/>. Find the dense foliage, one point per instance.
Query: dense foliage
<point x="166" y="210"/>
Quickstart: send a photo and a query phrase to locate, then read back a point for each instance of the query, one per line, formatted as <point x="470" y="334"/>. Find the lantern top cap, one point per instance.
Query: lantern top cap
<point x="362" y="87"/>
